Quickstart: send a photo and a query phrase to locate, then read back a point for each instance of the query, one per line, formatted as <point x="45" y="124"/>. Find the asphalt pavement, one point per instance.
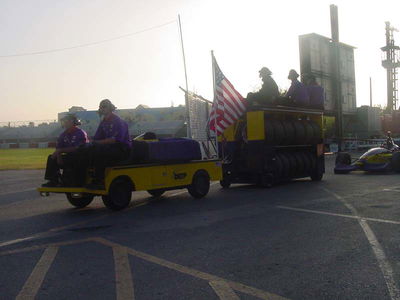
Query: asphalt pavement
<point x="334" y="239"/>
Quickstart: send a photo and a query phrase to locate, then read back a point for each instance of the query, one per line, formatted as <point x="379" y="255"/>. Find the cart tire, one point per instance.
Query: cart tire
<point x="225" y="183"/>
<point x="119" y="196"/>
<point x="396" y="162"/>
<point x="344" y="158"/>
<point x="156" y="192"/>
<point x="82" y="202"/>
<point x="317" y="132"/>
<point x="300" y="164"/>
<point x="200" y="185"/>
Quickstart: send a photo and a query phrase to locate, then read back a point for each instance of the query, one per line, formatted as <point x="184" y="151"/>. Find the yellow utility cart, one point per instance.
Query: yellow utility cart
<point x="155" y="178"/>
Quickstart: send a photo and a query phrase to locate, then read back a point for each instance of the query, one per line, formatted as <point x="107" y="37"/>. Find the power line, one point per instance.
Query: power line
<point x="89" y="44"/>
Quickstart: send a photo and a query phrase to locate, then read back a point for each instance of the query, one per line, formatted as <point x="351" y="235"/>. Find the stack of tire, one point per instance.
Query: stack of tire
<point x="292" y="164"/>
<point x="291" y="132"/>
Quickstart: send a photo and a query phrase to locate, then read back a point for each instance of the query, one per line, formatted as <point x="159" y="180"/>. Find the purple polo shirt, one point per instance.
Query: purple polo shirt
<point x="113" y="127"/>
<point x="298" y="93"/>
<point x="317" y="96"/>
<point x="72" y="137"/>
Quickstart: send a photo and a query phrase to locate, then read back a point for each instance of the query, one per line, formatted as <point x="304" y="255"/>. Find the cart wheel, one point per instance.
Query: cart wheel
<point x="119" y="195"/>
<point x="156" y="192"/>
<point x="81" y="202"/>
<point x="225" y="183"/>
<point x="396" y="162"/>
<point x="200" y="184"/>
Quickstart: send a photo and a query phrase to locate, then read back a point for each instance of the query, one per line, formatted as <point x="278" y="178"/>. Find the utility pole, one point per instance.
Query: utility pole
<point x="337" y="87"/>
<point x="370" y="92"/>
<point x="188" y="129"/>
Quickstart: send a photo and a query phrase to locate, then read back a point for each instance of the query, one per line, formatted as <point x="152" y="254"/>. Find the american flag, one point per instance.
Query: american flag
<point x="228" y="105"/>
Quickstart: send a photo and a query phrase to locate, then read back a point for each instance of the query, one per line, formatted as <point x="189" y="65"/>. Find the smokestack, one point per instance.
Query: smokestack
<point x="334" y="23"/>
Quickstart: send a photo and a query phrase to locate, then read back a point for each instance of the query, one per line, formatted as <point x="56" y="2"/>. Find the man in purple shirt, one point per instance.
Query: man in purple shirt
<point x="67" y="142"/>
<point x="111" y="144"/>
<point x="316" y="92"/>
<point x="297" y="93"/>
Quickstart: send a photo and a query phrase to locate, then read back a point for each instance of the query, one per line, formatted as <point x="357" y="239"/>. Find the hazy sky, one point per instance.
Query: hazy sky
<point x="147" y="68"/>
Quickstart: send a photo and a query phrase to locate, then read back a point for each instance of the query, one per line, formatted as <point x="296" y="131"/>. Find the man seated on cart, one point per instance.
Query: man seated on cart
<point x="67" y="143"/>
<point x="110" y="145"/>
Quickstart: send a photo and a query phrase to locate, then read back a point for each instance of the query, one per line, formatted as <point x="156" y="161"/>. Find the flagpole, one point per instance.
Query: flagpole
<point x="188" y="129"/>
<point x="214" y="90"/>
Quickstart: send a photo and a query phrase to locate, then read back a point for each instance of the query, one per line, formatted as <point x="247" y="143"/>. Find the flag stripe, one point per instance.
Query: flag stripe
<point x="228" y="104"/>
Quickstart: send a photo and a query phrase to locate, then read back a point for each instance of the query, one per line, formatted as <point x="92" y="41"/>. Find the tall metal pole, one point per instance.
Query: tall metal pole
<point x="188" y="129"/>
<point x="336" y="72"/>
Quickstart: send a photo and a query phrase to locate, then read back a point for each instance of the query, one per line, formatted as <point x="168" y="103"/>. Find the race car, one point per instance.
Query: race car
<point x="383" y="158"/>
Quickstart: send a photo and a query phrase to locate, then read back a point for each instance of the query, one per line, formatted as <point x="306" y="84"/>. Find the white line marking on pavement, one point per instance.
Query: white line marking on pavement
<point x="380" y="255"/>
<point x="223" y="290"/>
<point x="337" y="215"/>
<point x="35" y="280"/>
<point x="192" y="272"/>
<point x="123" y="276"/>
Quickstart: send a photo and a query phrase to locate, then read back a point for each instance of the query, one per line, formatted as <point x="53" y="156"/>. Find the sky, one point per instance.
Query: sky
<point x="146" y="66"/>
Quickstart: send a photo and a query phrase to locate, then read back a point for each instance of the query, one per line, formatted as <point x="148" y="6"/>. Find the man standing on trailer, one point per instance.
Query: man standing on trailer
<point x="110" y="145"/>
<point x="316" y="92"/>
<point x="297" y="93"/>
<point x="269" y="90"/>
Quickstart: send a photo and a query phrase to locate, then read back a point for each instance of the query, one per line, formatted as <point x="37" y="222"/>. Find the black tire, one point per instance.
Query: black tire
<point x="285" y="166"/>
<point x="156" y="192"/>
<point x="279" y="132"/>
<point x="278" y="168"/>
<point x="307" y="163"/>
<point x="309" y="132"/>
<point x="200" y="185"/>
<point x="269" y="132"/>
<point x="293" y="165"/>
<point x="290" y="132"/>
<point x="82" y="202"/>
<point x="300" y="164"/>
<point x="119" y="195"/>
<point x="317" y="173"/>
<point x="317" y="132"/>
<point x="395" y="163"/>
<point x="343" y="158"/>
<point x="225" y="183"/>
<point x="300" y="132"/>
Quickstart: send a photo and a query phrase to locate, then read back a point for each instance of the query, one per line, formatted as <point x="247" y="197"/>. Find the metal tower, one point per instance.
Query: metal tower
<point x="390" y="62"/>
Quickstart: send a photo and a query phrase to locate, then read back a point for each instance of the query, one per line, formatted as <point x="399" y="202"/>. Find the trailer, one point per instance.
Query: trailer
<point x="273" y="144"/>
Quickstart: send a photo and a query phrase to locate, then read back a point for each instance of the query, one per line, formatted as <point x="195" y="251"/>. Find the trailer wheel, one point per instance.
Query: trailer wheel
<point x="156" y="192"/>
<point x="200" y="185"/>
<point x="317" y="173"/>
<point x="225" y="183"/>
<point x="119" y="195"/>
<point x="81" y="202"/>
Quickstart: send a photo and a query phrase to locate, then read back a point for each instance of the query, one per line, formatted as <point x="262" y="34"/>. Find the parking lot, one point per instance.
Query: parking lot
<point x="334" y="239"/>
